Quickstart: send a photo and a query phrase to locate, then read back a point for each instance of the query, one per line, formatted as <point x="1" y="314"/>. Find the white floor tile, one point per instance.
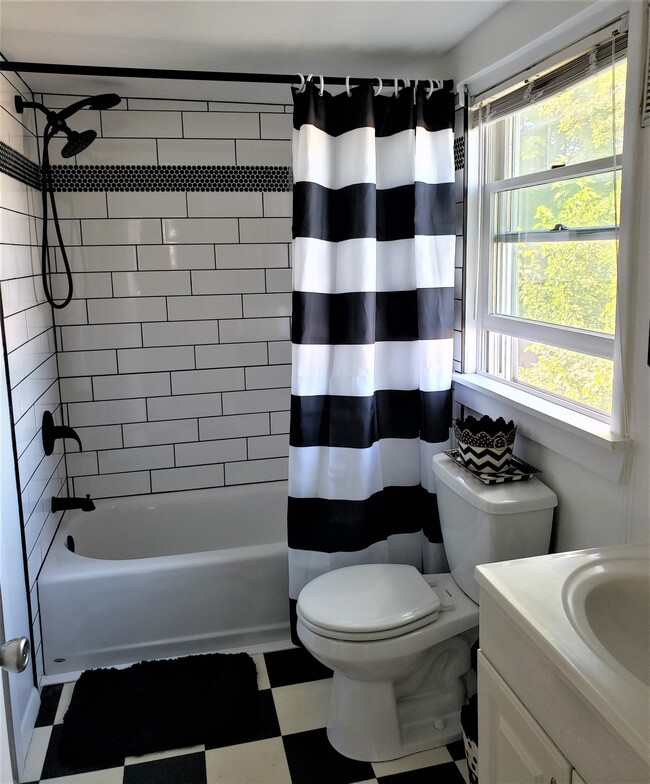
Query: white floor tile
<point x="158" y="755"/>
<point x="422" y="759"/>
<point x="302" y="706"/>
<point x="462" y="767"/>
<point x="262" y="675"/>
<point x="64" y="702"/>
<point x="36" y="754"/>
<point x="261" y="762"/>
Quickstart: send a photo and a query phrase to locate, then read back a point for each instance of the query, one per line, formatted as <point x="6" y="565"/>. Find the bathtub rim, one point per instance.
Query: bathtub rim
<point x="62" y="564"/>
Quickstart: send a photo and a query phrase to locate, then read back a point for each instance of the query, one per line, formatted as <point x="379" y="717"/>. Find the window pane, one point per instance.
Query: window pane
<point x="571" y="127"/>
<point x="571" y="284"/>
<point x="578" y="202"/>
<point x="580" y="378"/>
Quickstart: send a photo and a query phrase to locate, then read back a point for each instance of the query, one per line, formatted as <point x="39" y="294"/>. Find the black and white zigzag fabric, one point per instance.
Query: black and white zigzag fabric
<point x="373" y="265"/>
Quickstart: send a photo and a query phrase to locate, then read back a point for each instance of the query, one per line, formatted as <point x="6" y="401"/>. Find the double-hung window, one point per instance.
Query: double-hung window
<point x="551" y="153"/>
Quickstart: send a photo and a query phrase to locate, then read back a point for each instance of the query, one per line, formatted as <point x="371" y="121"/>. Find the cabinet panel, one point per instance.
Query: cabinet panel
<point x="513" y="748"/>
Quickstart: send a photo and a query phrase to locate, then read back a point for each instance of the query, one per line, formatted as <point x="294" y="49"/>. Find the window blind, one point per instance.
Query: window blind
<point x="550" y="82"/>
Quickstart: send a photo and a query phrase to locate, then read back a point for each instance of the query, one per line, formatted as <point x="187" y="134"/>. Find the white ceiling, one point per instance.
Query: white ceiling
<point x="363" y="38"/>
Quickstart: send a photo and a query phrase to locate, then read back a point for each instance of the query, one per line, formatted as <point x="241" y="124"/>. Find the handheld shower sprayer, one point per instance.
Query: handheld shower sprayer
<point x="97" y="102"/>
<point x="77" y="142"/>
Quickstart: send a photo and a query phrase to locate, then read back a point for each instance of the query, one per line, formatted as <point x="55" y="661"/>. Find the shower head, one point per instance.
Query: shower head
<point x="77" y="142"/>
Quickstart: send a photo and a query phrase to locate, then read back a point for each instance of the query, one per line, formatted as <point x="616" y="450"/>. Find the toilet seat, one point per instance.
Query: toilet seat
<point x="368" y="602"/>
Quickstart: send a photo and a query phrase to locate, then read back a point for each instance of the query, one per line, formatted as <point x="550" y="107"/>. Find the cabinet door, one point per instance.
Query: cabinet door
<point x="512" y="747"/>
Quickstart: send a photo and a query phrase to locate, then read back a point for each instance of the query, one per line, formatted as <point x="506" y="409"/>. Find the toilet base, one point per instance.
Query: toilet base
<point x="367" y="722"/>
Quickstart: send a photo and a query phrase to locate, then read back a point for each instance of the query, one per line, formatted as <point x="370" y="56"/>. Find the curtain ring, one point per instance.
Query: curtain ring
<point x="302" y="83"/>
<point x="322" y="86"/>
<point x="380" y="86"/>
<point x="434" y="84"/>
<point x="347" y="86"/>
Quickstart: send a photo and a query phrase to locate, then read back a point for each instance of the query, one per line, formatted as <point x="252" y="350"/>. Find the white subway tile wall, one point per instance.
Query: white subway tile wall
<point x="174" y="353"/>
<point x="29" y="341"/>
<point x="172" y="362"/>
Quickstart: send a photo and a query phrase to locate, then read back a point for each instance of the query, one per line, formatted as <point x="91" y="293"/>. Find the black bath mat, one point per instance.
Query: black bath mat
<point x="158" y="705"/>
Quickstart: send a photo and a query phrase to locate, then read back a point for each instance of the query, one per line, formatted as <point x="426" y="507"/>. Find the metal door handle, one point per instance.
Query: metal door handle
<point x="14" y="654"/>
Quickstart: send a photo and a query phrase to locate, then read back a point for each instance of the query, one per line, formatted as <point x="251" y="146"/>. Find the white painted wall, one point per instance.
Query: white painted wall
<point x="517" y="24"/>
<point x="592" y="511"/>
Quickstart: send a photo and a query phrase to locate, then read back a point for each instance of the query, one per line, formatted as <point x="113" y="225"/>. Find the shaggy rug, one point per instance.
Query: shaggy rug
<point x="158" y="705"/>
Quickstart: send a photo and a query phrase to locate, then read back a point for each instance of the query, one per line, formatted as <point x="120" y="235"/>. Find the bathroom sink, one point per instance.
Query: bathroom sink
<point x="608" y="604"/>
<point x="580" y="621"/>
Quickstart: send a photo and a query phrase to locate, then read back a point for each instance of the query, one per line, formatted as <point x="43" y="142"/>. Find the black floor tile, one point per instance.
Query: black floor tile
<point x="52" y="766"/>
<point x="266" y="726"/>
<point x="185" y="769"/>
<point x="446" y="773"/>
<point x="50" y="697"/>
<point x="296" y="665"/>
<point x="312" y="760"/>
<point x="457" y="750"/>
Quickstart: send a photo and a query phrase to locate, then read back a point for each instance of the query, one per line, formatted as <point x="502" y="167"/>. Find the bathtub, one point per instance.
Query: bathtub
<point x="171" y="574"/>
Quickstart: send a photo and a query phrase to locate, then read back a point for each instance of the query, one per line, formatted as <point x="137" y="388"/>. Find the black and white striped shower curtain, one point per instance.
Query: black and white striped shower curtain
<point x="373" y="266"/>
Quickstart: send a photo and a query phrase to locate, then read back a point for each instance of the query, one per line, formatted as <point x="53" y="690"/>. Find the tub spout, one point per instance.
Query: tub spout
<point x="61" y="504"/>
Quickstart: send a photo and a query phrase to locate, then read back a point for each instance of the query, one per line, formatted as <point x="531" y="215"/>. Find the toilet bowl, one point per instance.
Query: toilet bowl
<point x="398" y="641"/>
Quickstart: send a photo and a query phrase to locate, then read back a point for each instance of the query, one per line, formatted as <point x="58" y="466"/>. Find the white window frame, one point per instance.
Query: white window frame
<point x="598" y="445"/>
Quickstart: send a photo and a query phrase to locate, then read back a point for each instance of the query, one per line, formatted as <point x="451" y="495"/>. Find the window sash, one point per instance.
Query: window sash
<point x="584" y="341"/>
<point x="563" y="235"/>
<point x="610" y="163"/>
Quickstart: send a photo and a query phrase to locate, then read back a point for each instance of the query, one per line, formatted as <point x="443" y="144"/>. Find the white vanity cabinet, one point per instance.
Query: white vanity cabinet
<point x="513" y="748"/>
<point x="548" y="704"/>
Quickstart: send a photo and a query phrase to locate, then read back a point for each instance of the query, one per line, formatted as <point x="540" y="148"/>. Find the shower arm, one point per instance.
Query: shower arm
<point x="55" y="119"/>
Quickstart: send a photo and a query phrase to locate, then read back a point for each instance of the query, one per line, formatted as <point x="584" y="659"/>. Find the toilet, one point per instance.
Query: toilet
<point x="398" y="641"/>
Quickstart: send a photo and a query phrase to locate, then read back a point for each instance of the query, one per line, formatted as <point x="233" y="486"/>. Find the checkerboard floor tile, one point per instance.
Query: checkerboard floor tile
<point x="290" y="746"/>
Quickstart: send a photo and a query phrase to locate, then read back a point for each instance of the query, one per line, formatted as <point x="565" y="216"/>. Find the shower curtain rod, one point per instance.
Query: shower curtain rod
<point x="206" y="76"/>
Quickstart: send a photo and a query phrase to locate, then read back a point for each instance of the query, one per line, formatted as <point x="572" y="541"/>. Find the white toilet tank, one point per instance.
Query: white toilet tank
<point x="485" y="523"/>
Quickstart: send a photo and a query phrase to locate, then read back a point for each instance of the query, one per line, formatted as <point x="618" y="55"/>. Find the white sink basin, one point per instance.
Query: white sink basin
<point x="608" y="604"/>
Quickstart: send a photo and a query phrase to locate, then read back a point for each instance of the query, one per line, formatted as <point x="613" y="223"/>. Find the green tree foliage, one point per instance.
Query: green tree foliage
<point x="570" y="282"/>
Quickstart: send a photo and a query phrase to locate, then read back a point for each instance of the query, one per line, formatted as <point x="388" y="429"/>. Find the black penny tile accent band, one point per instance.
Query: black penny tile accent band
<point x="20" y="168"/>
<point x="171" y="178"/>
<point x="148" y="178"/>
<point x="459" y="153"/>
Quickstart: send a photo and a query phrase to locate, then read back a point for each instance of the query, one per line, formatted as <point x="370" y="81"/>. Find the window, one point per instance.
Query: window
<point x="551" y="159"/>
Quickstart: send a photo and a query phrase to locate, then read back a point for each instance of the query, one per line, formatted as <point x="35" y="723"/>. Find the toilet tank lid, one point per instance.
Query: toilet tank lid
<point x="529" y="495"/>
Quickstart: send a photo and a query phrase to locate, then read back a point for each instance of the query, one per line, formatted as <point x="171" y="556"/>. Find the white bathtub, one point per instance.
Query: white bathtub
<point x="166" y="575"/>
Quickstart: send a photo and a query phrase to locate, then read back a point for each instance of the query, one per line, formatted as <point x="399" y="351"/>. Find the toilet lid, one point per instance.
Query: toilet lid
<point x="368" y="599"/>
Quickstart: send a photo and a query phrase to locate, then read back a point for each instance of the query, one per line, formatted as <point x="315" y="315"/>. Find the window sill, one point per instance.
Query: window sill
<point x="580" y="438"/>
